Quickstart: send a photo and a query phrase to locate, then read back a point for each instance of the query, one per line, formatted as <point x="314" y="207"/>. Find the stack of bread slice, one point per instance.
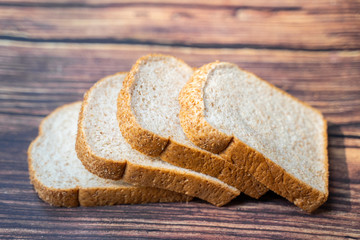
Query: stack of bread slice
<point x="165" y="132"/>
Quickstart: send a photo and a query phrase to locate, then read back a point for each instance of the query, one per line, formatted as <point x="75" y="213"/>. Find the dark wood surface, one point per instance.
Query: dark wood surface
<point x="51" y="52"/>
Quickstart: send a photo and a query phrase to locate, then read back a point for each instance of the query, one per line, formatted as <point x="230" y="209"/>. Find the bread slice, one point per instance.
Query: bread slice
<point x="277" y="138"/>
<point x="104" y="152"/>
<point x="61" y="180"/>
<point x="148" y="113"/>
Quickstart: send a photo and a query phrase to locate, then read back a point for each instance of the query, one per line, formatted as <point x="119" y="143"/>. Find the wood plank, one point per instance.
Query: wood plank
<point x="51" y="74"/>
<point x="335" y="6"/>
<point x="293" y="25"/>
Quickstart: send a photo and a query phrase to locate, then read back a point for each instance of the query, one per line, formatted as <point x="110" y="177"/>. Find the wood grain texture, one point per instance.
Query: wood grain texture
<point x="47" y="73"/>
<point x="38" y="77"/>
<point x="52" y="52"/>
<point x="320" y="25"/>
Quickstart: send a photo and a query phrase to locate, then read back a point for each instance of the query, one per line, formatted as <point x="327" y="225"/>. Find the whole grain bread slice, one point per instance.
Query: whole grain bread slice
<point x="148" y="110"/>
<point x="277" y="138"/>
<point x="104" y="152"/>
<point x="60" y="179"/>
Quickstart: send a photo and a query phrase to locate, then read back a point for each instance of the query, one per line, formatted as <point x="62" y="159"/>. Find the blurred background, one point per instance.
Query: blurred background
<point x="51" y="52"/>
<point x="309" y="48"/>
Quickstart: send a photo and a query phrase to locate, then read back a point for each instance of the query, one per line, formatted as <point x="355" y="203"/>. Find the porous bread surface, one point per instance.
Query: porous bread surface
<point x="60" y="179"/>
<point x="159" y="80"/>
<point x="100" y="123"/>
<point x="158" y="83"/>
<point x="283" y="130"/>
<point x="102" y="140"/>
<point x="152" y="87"/>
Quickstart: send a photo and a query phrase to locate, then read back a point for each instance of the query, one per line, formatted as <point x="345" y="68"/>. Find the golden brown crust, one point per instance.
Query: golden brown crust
<point x="96" y="196"/>
<point x="192" y="118"/>
<point x="264" y="170"/>
<point x="177" y="154"/>
<point x="127" y="195"/>
<point x="274" y="177"/>
<point x="212" y="165"/>
<point x="139" y="138"/>
<point x="108" y="168"/>
<point x="191" y="185"/>
<point x="56" y="197"/>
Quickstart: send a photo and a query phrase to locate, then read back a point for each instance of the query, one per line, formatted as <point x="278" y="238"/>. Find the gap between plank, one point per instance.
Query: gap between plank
<point x="153" y="4"/>
<point x="174" y="44"/>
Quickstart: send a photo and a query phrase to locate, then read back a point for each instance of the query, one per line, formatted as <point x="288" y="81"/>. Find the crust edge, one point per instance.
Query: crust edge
<point x="213" y="165"/>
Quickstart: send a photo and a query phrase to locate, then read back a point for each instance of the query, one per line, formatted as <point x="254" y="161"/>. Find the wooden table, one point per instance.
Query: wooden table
<point x="51" y="52"/>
